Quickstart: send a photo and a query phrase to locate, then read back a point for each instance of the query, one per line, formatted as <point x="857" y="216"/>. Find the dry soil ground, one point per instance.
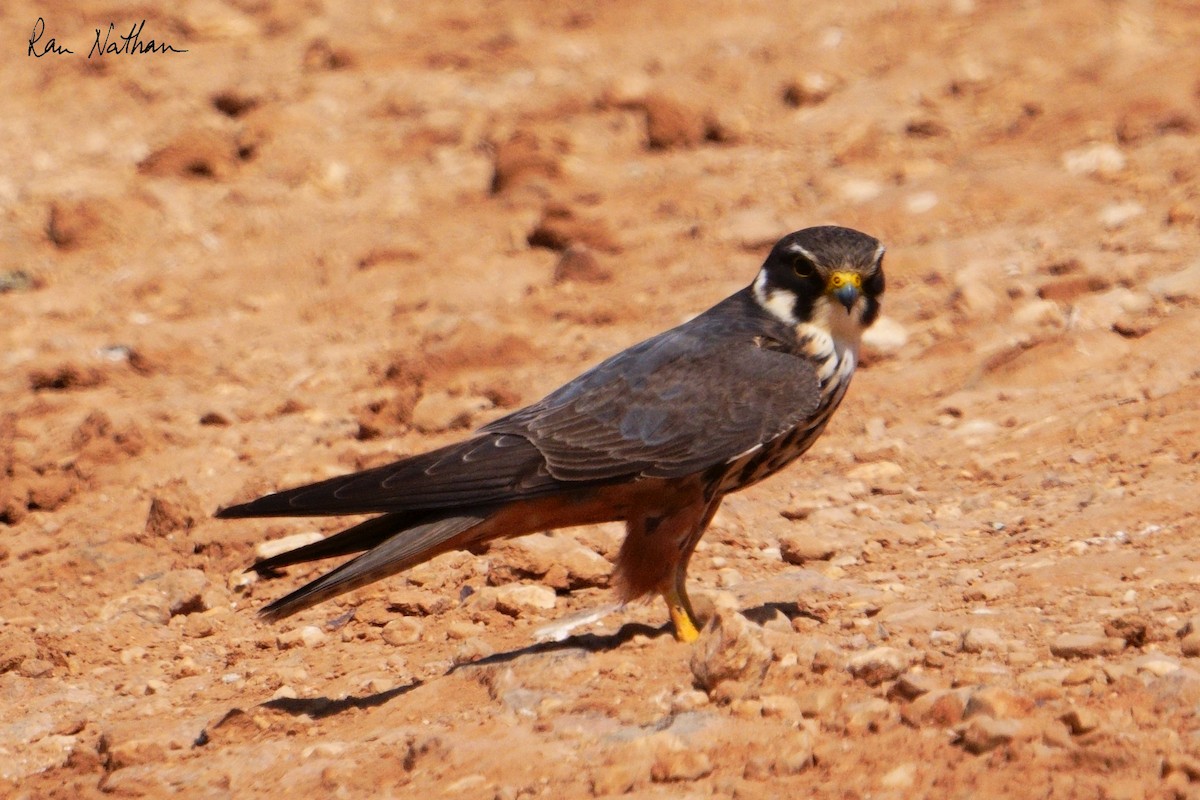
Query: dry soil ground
<point x="332" y="233"/>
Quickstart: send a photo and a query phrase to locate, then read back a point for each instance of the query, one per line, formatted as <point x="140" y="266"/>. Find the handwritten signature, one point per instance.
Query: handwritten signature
<point x="129" y="44"/>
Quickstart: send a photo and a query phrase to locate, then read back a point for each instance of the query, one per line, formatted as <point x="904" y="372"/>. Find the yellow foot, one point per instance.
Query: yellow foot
<point x="682" y="616"/>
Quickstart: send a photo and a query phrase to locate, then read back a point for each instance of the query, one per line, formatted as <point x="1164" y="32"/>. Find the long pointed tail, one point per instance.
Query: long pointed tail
<point x="392" y="554"/>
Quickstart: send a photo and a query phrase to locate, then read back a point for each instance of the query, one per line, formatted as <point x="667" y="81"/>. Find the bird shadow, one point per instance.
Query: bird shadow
<point x="589" y="642"/>
<point x="320" y="707"/>
<point x="764" y="612"/>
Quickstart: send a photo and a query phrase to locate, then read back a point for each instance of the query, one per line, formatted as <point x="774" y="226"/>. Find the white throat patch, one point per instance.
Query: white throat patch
<point x="779" y="302"/>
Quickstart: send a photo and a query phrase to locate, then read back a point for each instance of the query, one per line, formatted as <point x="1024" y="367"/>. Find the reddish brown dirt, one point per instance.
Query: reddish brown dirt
<point x="304" y="247"/>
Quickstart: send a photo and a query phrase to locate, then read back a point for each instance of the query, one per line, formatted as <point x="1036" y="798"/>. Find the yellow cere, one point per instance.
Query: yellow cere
<point x="839" y="279"/>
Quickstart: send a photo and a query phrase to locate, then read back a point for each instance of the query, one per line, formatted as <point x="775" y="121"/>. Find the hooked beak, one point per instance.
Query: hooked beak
<point x="845" y="287"/>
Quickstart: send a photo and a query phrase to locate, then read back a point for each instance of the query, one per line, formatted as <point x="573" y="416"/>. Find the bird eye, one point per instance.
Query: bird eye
<point x="802" y="266"/>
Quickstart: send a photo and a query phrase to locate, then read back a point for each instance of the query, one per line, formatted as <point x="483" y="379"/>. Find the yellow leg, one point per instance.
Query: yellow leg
<point x="682" y="616"/>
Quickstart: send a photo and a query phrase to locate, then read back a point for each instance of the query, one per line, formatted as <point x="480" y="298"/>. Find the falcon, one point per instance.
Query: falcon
<point x="655" y="437"/>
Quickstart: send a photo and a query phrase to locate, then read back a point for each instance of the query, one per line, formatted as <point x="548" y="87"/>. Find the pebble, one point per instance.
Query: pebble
<point x="984" y="734"/>
<point x="900" y="778"/>
<point x="796" y="753"/>
<point x="675" y="762"/>
<point x="579" y="264"/>
<point x="1096" y="160"/>
<point x="1181" y="285"/>
<point x="797" y="547"/>
<point x="1080" y="720"/>
<point x="519" y="599"/>
<point x="308" y="636"/>
<point x="403" y="630"/>
<point x="731" y="649"/>
<point x="1086" y="645"/>
<point x="940" y="707"/>
<point x="876" y="473"/>
<point x="878" y="664"/>
<point x="618" y="778"/>
<point x="274" y="547"/>
<point x="1035" y="315"/>
<point x="997" y="702"/>
<point x="1190" y="645"/>
<point x="817" y="703"/>
<point x="809" y="89"/>
<point x="780" y="706"/>
<point x="912" y="685"/>
<point x="672" y="124"/>
<point x="1156" y="664"/>
<point x="17" y="646"/>
<point x="440" y="411"/>
<point x="982" y="640"/>
<point x="992" y="590"/>
<point x="1115" y="215"/>
<point x="885" y="338"/>
<point x="688" y="701"/>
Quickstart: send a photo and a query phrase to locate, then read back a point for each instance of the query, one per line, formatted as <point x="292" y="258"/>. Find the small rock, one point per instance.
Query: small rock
<point x="984" y="734"/>
<point x="403" y="630"/>
<point x="415" y="602"/>
<point x="868" y="716"/>
<point x="1190" y="645"/>
<point x="941" y="707"/>
<point x="1080" y="720"/>
<point x="198" y="626"/>
<point x="521" y="159"/>
<point x="799" y="548"/>
<point x="1181" y="285"/>
<point x="35" y="668"/>
<point x="16" y="646"/>
<point x="312" y="636"/>
<point x="780" y="706"/>
<point x="1115" y="215"/>
<point x="912" y="685"/>
<point x="1086" y="645"/>
<point x="877" y="473"/>
<point x="440" y="411"/>
<point x="560" y="227"/>
<point x="818" y="703"/>
<point x="1038" y="314"/>
<point x="982" y="640"/>
<point x="521" y="599"/>
<point x="579" y="264"/>
<point x="131" y="753"/>
<point x="878" y="664"/>
<point x="688" y="701"/>
<point x="730" y="648"/>
<point x="184" y="590"/>
<point x="618" y="778"/>
<point x="672" y="764"/>
<point x="308" y="636"/>
<point x="472" y="650"/>
<point x="809" y="89"/>
<point x="796" y="753"/>
<point x="671" y="124"/>
<point x="885" y="338"/>
<point x="1096" y="160"/>
<point x="998" y="703"/>
<point x="1157" y="664"/>
<point x="900" y="778"/>
<point x="274" y="547"/>
<point x="992" y="590"/>
<point x="174" y="507"/>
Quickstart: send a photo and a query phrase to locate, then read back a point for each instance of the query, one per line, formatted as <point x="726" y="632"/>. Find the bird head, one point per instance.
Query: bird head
<point x="828" y="275"/>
